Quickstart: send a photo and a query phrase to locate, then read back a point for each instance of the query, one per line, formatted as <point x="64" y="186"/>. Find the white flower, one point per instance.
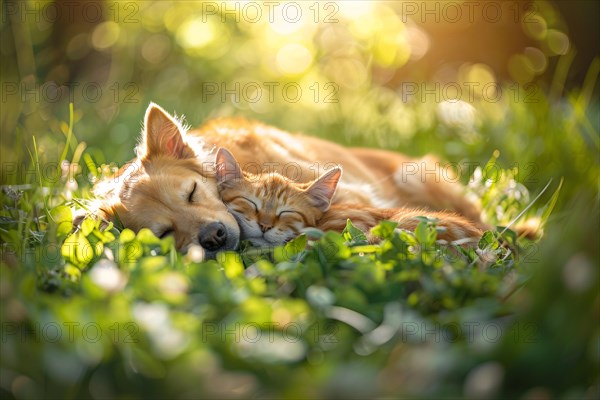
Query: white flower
<point x="107" y="275"/>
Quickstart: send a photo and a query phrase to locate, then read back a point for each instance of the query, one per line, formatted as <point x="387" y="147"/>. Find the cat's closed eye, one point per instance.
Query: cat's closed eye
<point x="291" y="216"/>
<point x="287" y="212"/>
<point x="250" y="202"/>
<point x="242" y="205"/>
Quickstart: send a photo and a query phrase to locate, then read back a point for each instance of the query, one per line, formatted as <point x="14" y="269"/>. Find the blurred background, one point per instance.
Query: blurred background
<point x="394" y="74"/>
<point x="469" y="81"/>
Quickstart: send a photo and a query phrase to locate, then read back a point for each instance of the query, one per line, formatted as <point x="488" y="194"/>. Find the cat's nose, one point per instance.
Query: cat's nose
<point x="213" y="236"/>
<point x="265" y="227"/>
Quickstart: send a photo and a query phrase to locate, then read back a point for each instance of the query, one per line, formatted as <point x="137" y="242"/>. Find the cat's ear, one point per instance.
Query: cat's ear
<point x="226" y="167"/>
<point x="322" y="190"/>
<point x="162" y="135"/>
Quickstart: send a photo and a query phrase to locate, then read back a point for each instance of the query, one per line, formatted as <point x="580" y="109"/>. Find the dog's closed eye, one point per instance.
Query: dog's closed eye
<point x="166" y="233"/>
<point x="191" y="196"/>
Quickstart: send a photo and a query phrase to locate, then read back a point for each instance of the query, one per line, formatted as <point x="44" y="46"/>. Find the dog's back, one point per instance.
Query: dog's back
<point x="373" y="177"/>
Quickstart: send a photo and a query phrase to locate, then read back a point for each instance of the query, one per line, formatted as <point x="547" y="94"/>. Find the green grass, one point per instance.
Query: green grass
<point x="104" y="311"/>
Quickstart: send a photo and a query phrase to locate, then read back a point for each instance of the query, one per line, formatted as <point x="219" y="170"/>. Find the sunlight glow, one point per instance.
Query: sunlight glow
<point x="293" y="58"/>
<point x="195" y="33"/>
<point x="355" y="9"/>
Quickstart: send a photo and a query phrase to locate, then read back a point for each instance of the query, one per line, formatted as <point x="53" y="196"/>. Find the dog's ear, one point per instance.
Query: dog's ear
<point x="163" y="135"/>
<point x="322" y="190"/>
<point x="226" y="167"/>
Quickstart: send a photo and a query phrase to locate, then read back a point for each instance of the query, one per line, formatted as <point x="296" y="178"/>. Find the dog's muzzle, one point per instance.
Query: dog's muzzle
<point x="216" y="237"/>
<point x="213" y="237"/>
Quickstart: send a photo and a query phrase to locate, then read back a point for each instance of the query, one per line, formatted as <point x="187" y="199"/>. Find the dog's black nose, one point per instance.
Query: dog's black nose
<point x="213" y="236"/>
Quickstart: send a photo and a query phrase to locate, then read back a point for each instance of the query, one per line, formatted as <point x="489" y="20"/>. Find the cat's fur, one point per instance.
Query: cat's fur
<point x="272" y="210"/>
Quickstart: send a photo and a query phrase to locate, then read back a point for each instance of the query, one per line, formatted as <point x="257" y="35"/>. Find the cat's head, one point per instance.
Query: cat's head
<point x="269" y="208"/>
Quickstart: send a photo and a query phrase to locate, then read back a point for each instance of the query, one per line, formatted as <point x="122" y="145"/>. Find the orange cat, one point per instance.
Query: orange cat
<point x="272" y="210"/>
<point x="269" y="208"/>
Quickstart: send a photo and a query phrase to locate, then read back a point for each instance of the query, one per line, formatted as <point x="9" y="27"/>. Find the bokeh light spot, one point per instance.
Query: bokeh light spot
<point x="457" y="114"/>
<point x="105" y="35"/>
<point x="578" y="273"/>
<point x="418" y="41"/>
<point x="557" y="42"/>
<point x="78" y="46"/>
<point x="156" y="48"/>
<point x="520" y="68"/>
<point x="348" y="72"/>
<point x="535" y="26"/>
<point x="293" y="59"/>
<point x="391" y="50"/>
<point x="481" y="74"/>
<point x="287" y="20"/>
<point x="537" y="59"/>
<point x="355" y="9"/>
<point x="195" y="33"/>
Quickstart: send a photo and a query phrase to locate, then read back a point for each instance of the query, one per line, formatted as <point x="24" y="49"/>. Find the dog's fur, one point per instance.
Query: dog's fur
<point x="153" y="190"/>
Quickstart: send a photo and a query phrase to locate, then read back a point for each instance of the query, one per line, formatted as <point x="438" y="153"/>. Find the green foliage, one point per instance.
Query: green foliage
<point x="353" y="235"/>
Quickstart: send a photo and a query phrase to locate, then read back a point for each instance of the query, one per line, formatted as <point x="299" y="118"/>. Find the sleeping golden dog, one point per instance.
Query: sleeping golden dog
<point x="170" y="186"/>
